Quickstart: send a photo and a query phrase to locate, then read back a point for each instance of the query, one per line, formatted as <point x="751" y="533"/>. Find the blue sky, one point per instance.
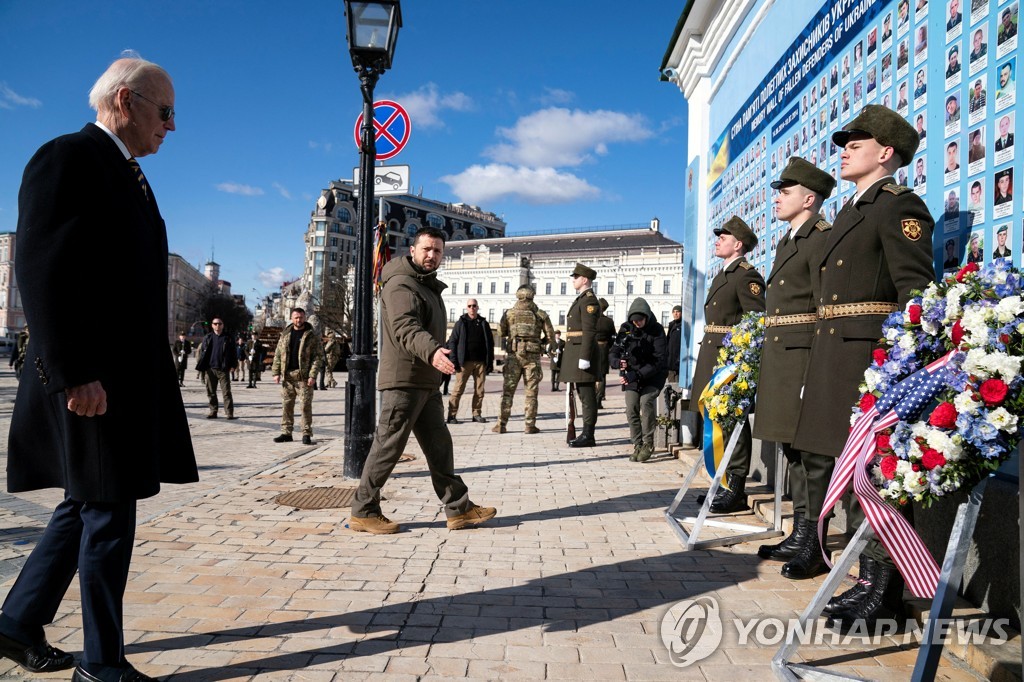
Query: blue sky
<point x="549" y="113"/>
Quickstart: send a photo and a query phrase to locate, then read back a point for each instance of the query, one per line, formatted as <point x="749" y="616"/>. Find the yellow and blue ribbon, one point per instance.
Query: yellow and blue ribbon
<point x="714" y="439"/>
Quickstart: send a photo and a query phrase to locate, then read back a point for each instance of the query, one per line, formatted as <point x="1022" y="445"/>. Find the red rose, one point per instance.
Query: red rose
<point x="867" y="401"/>
<point x="880" y="356"/>
<point x="888" y="466"/>
<point x="957" y="332"/>
<point x="1004" y="338"/>
<point x="914" y="312"/>
<point x="993" y="392"/>
<point x="883" y="444"/>
<point x="944" y="416"/>
<point x="970" y="267"/>
<point x="932" y="458"/>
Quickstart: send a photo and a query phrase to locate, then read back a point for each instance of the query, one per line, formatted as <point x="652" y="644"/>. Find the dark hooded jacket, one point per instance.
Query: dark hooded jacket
<point x="645" y="350"/>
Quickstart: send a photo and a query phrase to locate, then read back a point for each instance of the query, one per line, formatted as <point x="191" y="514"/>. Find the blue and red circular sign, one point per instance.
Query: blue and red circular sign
<point x="392" y="128"/>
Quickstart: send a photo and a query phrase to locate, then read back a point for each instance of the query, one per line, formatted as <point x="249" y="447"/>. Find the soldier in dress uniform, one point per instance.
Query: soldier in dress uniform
<point x="522" y="327"/>
<point x="556" y="350"/>
<point x="604" y="335"/>
<point x="792" y="302"/>
<point x="580" y="363"/>
<point x="878" y="250"/>
<point x="182" y="349"/>
<point x="737" y="289"/>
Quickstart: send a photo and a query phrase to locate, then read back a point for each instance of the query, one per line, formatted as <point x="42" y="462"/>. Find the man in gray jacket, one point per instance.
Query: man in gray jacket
<point x="412" y="359"/>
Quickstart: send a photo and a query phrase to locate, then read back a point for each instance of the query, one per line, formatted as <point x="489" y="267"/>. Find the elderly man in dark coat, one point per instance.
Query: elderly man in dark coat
<point x="792" y="302"/>
<point x="88" y="218"/>
<point x="737" y="289"/>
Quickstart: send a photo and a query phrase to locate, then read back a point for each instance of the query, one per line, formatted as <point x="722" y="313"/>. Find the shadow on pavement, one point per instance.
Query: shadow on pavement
<point x="567" y="602"/>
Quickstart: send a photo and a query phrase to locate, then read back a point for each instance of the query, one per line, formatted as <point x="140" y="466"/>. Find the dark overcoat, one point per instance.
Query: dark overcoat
<point x="581" y="340"/>
<point x="792" y="289"/>
<point x="738" y="289"/>
<point x="92" y="263"/>
<point x="877" y="251"/>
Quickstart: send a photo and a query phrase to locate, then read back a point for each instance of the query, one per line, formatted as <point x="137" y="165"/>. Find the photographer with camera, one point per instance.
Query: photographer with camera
<point x="640" y="351"/>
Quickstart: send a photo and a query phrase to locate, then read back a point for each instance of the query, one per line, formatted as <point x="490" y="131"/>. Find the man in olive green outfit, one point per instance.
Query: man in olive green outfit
<point x="522" y="326"/>
<point x="412" y="358"/>
<point x="297" y="360"/>
<point x="581" y="363"/>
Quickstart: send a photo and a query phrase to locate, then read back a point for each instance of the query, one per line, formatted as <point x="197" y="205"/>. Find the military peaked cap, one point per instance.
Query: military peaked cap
<point x="739" y="229"/>
<point x="583" y="271"/>
<point x="801" y="172"/>
<point x="887" y="127"/>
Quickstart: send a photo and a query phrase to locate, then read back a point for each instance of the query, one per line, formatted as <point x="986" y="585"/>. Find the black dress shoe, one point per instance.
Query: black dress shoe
<point x="35" y="658"/>
<point x="584" y="441"/>
<point x="284" y="438"/>
<point x="478" y="419"/>
<point x="307" y="440"/>
<point x="129" y="674"/>
<point x="452" y="419"/>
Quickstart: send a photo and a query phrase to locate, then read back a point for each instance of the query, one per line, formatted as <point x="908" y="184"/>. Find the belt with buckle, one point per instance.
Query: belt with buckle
<point x="783" y="320"/>
<point x="570" y="335"/>
<point x="717" y="329"/>
<point x="829" y="312"/>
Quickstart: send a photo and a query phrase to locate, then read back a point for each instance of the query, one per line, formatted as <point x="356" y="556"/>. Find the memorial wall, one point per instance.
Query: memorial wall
<point x="949" y="68"/>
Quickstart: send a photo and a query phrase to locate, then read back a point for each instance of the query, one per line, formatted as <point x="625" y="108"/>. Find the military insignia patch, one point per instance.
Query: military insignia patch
<point x="591" y="309"/>
<point x="912" y="229"/>
<point x="755" y="288"/>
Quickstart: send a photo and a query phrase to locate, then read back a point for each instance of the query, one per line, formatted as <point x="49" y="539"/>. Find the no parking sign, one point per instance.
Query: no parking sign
<point x="392" y="128"/>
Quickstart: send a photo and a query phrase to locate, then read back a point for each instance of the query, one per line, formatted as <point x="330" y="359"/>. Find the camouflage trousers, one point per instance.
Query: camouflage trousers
<point x="293" y="383"/>
<point x="528" y="366"/>
<point x="214" y="377"/>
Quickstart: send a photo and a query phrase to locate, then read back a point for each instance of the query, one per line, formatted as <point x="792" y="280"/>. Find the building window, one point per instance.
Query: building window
<point x="494" y="287"/>
<point x="547" y="288"/>
<point x="336" y="228"/>
<point x="319" y="241"/>
<point x="508" y="285"/>
<point x="321" y="226"/>
<point x="664" y="318"/>
<point x="629" y="288"/>
<point x="561" y="319"/>
<point x="465" y="289"/>
<point x="344" y="215"/>
<point x="334" y="241"/>
<point x="490" y="316"/>
<point x="666" y="286"/>
<point x="611" y="288"/>
<point x="451" y="314"/>
<point x="334" y="257"/>
<point x="435" y="220"/>
<point x="648" y="287"/>
<point x="479" y="287"/>
<point x="563" y="288"/>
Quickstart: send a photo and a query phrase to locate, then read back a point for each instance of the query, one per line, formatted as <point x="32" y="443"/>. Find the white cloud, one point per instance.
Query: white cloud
<point x="273" y="278"/>
<point x="426" y="104"/>
<point x="238" y="188"/>
<point x="485" y="184"/>
<point x="282" y="190"/>
<point x="560" y="137"/>
<point x="554" y="96"/>
<point x="326" y="146"/>
<point x="10" y="99"/>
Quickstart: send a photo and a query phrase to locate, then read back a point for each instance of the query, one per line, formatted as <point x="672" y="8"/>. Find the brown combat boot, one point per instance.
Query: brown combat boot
<point x="378" y="525"/>
<point x="499" y="428"/>
<point x="474" y="516"/>
<point x="531" y="428"/>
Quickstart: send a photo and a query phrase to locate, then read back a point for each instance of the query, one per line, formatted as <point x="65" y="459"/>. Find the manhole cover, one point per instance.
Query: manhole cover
<point x="317" y="498"/>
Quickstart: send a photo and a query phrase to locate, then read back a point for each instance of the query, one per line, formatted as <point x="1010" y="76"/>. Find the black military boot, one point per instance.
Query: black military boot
<point x="808" y="561"/>
<point x="585" y="439"/>
<point x="884" y="600"/>
<point x="732" y="500"/>
<point x="851" y="597"/>
<point x="788" y="548"/>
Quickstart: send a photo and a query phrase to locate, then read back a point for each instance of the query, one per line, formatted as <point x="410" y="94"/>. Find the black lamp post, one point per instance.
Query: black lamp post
<point x="372" y="34"/>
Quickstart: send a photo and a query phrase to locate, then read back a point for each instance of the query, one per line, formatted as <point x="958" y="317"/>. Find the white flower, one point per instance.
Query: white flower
<point x="1009" y="308"/>
<point x="915" y="483"/>
<point x="941" y="441"/>
<point x="871" y="378"/>
<point x="975" y="325"/>
<point x="1001" y="419"/>
<point x="930" y="327"/>
<point x="907" y="342"/>
<point x="965" y="403"/>
<point x="953" y="298"/>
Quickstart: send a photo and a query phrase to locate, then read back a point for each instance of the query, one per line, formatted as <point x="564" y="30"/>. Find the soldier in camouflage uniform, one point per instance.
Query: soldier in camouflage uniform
<point x="333" y="350"/>
<point x="521" y="326"/>
<point x="297" y="359"/>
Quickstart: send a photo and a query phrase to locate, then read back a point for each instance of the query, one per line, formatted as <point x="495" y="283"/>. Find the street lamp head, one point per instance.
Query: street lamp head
<point x="372" y="32"/>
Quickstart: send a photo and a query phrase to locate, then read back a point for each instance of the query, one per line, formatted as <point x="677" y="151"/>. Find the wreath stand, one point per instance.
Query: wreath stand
<point x="746" y="532"/>
<point x="942" y="604"/>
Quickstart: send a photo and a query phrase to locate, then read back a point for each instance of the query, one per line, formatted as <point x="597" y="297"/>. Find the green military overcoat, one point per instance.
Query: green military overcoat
<point x="581" y="340"/>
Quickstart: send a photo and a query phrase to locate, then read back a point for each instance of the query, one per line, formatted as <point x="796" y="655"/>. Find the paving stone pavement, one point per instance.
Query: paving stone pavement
<point x="570" y="581"/>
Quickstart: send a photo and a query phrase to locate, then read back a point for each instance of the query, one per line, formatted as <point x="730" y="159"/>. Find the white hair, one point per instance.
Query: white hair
<point x="130" y="71"/>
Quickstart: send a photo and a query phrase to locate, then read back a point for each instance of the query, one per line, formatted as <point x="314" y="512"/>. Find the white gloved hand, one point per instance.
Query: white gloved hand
<point x="584" y="364"/>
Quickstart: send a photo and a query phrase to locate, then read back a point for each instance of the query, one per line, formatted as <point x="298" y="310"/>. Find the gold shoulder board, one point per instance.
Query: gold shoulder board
<point x="822" y="226"/>
<point x="893" y="188"/>
<point x="745" y="265"/>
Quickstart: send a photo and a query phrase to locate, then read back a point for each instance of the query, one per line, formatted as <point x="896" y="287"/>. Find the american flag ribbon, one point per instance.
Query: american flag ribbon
<point x="904" y="401"/>
<point x="381" y="255"/>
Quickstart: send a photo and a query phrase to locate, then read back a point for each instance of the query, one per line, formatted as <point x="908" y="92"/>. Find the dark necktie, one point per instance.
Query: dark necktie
<point x="139" y="176"/>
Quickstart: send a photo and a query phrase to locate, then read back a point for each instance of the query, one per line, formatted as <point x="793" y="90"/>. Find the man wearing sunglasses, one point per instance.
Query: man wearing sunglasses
<point x="88" y="222"/>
